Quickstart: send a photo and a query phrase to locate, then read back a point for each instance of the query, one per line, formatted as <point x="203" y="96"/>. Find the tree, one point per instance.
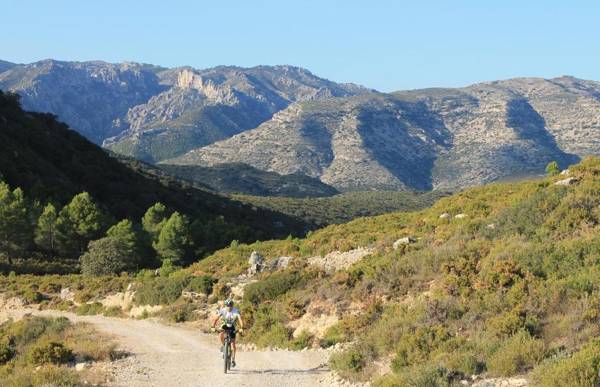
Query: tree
<point x="79" y="222"/>
<point x="104" y="256"/>
<point x="154" y="219"/>
<point x="45" y="232"/>
<point x="552" y="169"/>
<point x="125" y="232"/>
<point x="174" y="241"/>
<point x="15" y="228"/>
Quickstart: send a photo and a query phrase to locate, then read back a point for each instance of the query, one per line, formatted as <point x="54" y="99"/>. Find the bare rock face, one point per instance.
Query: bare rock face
<point x="423" y="139"/>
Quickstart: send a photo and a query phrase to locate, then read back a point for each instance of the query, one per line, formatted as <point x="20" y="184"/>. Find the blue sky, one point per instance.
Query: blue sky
<point x="387" y="45"/>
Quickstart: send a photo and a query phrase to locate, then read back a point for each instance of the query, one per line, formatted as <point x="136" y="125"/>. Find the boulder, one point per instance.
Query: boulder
<point x="565" y="172"/>
<point x="403" y="241"/>
<point x="281" y="263"/>
<point x="460" y="216"/>
<point x="491" y="226"/>
<point x="445" y="215"/>
<point x="567" y="181"/>
<point x="256" y="263"/>
<point x="81" y="366"/>
<point x="67" y="294"/>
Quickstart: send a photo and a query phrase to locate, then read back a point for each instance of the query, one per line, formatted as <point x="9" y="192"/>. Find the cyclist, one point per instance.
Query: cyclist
<point x="229" y="317"/>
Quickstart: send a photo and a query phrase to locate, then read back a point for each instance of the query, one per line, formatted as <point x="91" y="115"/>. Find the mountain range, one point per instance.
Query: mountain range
<point x="286" y="120"/>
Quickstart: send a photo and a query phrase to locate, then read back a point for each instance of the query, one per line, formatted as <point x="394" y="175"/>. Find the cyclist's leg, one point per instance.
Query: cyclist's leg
<point x="234" y="348"/>
<point x="222" y="337"/>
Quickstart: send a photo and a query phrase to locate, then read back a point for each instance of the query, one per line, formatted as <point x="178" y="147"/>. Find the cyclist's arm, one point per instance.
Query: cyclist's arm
<point x="215" y="320"/>
<point x="241" y="321"/>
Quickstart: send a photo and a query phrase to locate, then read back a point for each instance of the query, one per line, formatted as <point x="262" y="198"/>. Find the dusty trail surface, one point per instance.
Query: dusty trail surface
<point x="163" y="355"/>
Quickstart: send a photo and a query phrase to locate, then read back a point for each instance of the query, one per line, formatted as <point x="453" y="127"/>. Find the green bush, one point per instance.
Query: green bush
<point x="414" y="347"/>
<point x="268" y="328"/>
<point x="303" y="340"/>
<point x="519" y="353"/>
<point x="113" y="311"/>
<point x="162" y="290"/>
<point x="348" y="363"/>
<point x="580" y="370"/>
<point x="180" y="312"/>
<point x="269" y="288"/>
<point x="201" y="284"/>
<point x="51" y="352"/>
<point x="89" y="309"/>
<point x="332" y="336"/>
<point x="7" y="352"/>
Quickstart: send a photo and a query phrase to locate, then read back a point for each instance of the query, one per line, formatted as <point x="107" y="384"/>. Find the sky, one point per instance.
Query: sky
<point x="386" y="45"/>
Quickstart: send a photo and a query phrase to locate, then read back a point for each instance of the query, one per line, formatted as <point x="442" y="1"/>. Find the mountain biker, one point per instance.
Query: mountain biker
<point x="229" y="317"/>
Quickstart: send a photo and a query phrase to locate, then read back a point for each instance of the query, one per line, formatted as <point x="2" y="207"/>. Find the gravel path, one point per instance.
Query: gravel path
<point x="164" y="355"/>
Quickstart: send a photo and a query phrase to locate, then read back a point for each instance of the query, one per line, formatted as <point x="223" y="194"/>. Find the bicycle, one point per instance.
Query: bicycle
<point x="229" y="334"/>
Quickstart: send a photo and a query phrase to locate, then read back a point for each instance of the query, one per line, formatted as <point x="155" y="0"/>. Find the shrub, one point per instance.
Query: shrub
<point x="179" y="312"/>
<point x="89" y="309"/>
<point x="414" y="347"/>
<point x="161" y="290"/>
<point x="105" y="256"/>
<point x="348" y="363"/>
<point x="51" y="352"/>
<point x="521" y="352"/>
<point x="268" y="328"/>
<point x="7" y="352"/>
<point x="113" y="311"/>
<point x="201" y="284"/>
<point x="332" y="336"/>
<point x="269" y="288"/>
<point x="580" y="370"/>
<point x="302" y="341"/>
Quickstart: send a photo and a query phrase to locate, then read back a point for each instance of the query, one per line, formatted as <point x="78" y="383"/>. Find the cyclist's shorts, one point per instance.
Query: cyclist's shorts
<point x="224" y="327"/>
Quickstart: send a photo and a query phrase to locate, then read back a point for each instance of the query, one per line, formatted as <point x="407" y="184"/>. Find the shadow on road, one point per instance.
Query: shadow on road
<point x="316" y="370"/>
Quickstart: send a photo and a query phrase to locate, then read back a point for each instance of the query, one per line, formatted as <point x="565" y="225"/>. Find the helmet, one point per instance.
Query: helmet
<point x="229" y="302"/>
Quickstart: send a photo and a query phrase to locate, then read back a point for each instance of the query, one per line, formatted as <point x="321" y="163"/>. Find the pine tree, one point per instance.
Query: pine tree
<point x="174" y="241"/>
<point x="154" y="219"/>
<point x="45" y="232"/>
<point x="15" y="229"/>
<point x="125" y="232"/>
<point x="79" y="222"/>
<point x="552" y="169"/>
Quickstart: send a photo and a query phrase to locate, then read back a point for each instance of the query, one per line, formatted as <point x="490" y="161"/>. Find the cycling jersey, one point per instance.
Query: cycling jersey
<point x="229" y="316"/>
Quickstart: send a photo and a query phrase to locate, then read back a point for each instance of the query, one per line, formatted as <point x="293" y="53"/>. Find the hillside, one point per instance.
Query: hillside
<point x="424" y="139"/>
<point x="495" y="281"/>
<point x="153" y="113"/>
<point x="240" y="178"/>
<point x="50" y="162"/>
<point x="323" y="211"/>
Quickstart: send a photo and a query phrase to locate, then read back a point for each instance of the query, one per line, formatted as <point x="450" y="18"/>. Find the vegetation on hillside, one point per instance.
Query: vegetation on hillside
<point x="323" y="211"/>
<point x="51" y="164"/>
<point x="40" y="351"/>
<point x="509" y="288"/>
<point x="239" y="178"/>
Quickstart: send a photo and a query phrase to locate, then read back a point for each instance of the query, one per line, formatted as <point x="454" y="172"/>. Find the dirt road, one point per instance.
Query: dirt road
<point x="163" y="355"/>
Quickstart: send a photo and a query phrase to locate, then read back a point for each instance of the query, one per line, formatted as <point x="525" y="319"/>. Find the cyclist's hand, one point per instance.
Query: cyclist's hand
<point x="241" y="331"/>
<point x="213" y="329"/>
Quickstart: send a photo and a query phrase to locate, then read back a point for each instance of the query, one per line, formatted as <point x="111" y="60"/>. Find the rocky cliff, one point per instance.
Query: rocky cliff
<point x="424" y="139"/>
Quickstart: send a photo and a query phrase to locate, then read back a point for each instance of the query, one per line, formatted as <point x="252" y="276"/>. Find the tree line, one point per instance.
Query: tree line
<point x="82" y="230"/>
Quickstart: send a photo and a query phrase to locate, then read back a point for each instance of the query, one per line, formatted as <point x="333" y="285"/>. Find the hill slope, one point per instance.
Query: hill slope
<point x="153" y="113"/>
<point x="244" y="179"/>
<point x="50" y="161"/>
<point x="495" y="281"/>
<point x="423" y="139"/>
